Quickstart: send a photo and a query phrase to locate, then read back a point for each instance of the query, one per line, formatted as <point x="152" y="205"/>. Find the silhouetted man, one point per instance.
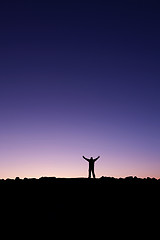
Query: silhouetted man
<point x="91" y="165"/>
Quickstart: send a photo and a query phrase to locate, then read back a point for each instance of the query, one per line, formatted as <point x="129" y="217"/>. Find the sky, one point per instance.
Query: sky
<point x="79" y="78"/>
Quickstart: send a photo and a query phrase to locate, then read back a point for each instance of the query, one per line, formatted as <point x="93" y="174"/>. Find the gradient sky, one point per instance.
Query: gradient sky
<point x="79" y="78"/>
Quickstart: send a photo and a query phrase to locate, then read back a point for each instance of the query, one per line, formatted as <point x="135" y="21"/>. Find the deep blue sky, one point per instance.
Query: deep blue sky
<point x="79" y="78"/>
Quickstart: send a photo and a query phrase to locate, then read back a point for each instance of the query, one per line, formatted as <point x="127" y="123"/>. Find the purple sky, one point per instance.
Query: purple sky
<point x="79" y="78"/>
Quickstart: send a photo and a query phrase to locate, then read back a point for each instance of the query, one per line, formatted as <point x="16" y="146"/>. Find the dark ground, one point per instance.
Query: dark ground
<point x="114" y="207"/>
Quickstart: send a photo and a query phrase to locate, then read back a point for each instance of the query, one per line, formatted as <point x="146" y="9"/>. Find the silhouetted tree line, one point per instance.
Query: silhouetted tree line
<point x="103" y="179"/>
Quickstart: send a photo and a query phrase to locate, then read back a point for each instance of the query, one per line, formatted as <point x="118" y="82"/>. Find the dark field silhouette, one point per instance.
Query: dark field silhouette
<point x="113" y="205"/>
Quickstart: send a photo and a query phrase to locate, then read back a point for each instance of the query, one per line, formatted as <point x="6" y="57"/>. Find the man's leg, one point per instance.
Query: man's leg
<point x="89" y="176"/>
<point x="93" y="173"/>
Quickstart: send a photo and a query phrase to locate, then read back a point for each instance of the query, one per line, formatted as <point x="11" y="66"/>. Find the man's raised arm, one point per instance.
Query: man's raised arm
<point x="86" y="158"/>
<point x="96" y="158"/>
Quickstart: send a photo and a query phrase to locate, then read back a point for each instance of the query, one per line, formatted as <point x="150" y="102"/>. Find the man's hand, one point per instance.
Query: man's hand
<point x="85" y="158"/>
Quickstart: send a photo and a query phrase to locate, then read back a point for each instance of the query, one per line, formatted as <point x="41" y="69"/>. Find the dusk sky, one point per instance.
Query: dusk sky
<point x="79" y="78"/>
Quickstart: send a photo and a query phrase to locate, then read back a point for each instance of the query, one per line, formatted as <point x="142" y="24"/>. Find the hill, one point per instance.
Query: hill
<point x="70" y="203"/>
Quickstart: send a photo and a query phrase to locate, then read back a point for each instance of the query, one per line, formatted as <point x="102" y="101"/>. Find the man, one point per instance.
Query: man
<point x="91" y="165"/>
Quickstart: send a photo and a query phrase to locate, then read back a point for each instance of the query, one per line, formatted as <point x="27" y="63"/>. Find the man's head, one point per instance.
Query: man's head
<point x="91" y="158"/>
